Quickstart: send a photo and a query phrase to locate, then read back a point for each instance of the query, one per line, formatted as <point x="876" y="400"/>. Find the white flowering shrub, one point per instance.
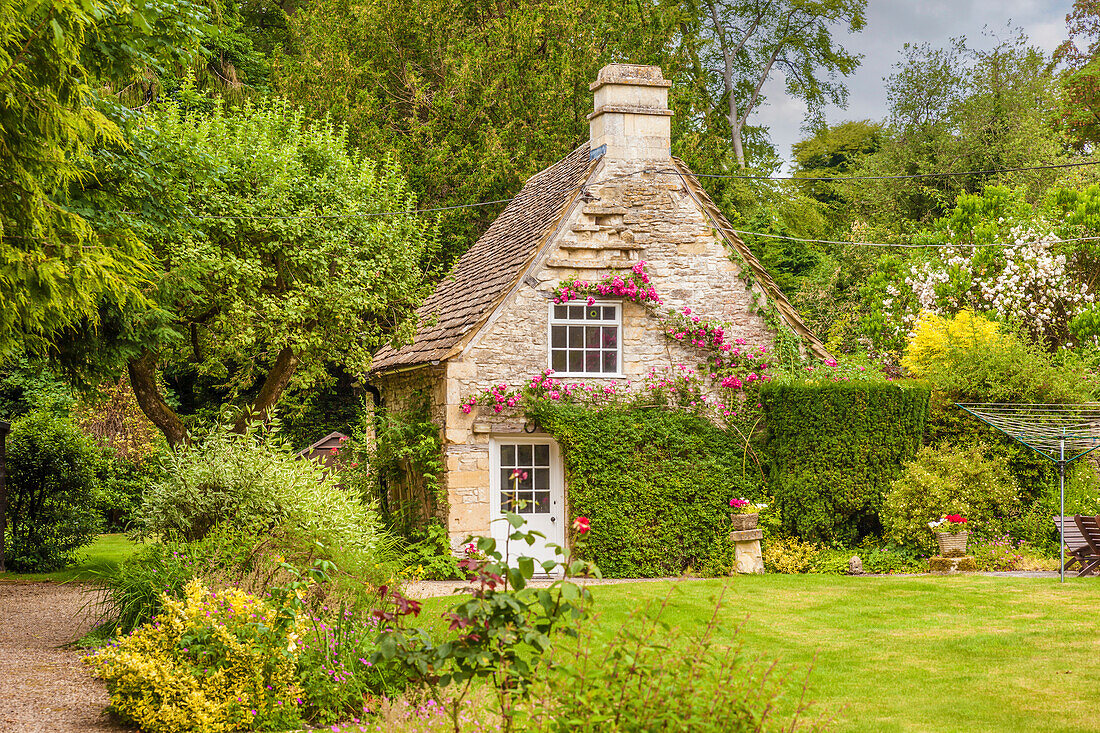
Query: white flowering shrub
<point x="1029" y="282"/>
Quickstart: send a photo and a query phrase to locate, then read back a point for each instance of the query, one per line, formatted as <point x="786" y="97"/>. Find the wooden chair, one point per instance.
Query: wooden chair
<point x="1077" y="545"/>
<point x="1090" y="529"/>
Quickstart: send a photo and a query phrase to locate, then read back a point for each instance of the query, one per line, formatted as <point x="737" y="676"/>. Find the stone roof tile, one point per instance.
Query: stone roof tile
<point x="483" y="275"/>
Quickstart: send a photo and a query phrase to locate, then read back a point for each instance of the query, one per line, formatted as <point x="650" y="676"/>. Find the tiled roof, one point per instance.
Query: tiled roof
<point x="483" y="275"/>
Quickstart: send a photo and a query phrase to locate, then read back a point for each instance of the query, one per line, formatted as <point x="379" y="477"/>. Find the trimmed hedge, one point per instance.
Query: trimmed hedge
<point x="655" y="485"/>
<point x="834" y="448"/>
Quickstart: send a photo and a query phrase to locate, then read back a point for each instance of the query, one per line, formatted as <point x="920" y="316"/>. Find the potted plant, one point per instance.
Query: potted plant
<point x="951" y="532"/>
<point x="744" y="514"/>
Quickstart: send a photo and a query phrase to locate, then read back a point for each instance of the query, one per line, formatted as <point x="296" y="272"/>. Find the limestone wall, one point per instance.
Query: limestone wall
<point x="649" y="217"/>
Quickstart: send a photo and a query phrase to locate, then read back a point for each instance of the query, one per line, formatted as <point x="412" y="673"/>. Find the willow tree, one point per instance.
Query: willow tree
<point x="54" y="57"/>
<point x="279" y="253"/>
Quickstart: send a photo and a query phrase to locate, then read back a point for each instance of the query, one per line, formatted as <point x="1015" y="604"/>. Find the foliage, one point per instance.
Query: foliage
<point x="401" y="465"/>
<point x="1078" y="74"/>
<point x="935" y="336"/>
<point x="274" y="264"/>
<point x="121" y="484"/>
<point x="968" y="361"/>
<point x="54" y="263"/>
<point x="652" y="675"/>
<point x="217" y="661"/>
<point x="28" y="384"/>
<point x="833" y="150"/>
<point x="655" y="484"/>
<point x="834" y="447"/>
<point x="1038" y="284"/>
<point x="428" y="556"/>
<point x="112" y="416"/>
<point x="960" y="109"/>
<point x="791" y="556"/>
<point x="788" y="555"/>
<point x="488" y="94"/>
<point x="255" y="479"/>
<point x="944" y="480"/>
<point x="51" y="479"/>
<point x="504" y="629"/>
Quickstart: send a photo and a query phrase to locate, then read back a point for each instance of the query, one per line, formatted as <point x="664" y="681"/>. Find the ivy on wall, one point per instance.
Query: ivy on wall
<point x="834" y="447"/>
<point x="402" y="466"/>
<point x="655" y="484"/>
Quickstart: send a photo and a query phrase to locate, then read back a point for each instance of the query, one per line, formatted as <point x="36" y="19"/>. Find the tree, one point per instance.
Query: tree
<point x="279" y="254"/>
<point x="472" y="97"/>
<point x="1080" y="74"/>
<point x="835" y="150"/>
<point x="957" y="109"/>
<point x="54" y="54"/>
<point x="739" y="44"/>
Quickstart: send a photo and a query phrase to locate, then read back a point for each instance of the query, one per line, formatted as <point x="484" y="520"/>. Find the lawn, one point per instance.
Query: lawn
<point x="923" y="653"/>
<point x="103" y="555"/>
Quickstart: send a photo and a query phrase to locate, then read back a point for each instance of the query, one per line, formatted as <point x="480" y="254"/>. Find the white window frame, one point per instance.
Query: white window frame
<point x="551" y="322"/>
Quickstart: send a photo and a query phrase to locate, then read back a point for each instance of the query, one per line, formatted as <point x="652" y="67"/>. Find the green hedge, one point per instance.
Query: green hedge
<point x="655" y="485"/>
<point x="834" y="448"/>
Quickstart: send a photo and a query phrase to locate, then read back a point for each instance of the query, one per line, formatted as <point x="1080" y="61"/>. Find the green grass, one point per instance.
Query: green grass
<point x="924" y="653"/>
<point x="103" y="555"/>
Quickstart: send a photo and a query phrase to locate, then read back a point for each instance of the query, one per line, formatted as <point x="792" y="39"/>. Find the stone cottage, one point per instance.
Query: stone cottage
<point x="617" y="200"/>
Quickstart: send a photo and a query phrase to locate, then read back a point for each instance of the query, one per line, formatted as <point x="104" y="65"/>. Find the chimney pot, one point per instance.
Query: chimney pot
<point x="630" y="119"/>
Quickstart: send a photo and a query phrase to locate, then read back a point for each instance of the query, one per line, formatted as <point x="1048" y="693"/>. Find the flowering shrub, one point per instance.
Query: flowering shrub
<point x="501" y="633"/>
<point x="744" y="506"/>
<point x="217" y="661"/>
<point x="1031" y="283"/>
<point x="634" y="287"/>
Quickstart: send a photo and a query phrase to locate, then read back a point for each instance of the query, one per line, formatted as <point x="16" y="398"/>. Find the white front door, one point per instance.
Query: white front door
<point x="527" y="480"/>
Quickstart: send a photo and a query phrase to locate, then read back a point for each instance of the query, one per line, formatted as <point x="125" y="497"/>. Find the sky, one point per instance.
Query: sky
<point x="893" y="23"/>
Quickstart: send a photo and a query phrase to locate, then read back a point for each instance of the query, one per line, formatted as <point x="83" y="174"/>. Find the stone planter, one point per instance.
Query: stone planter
<point x="952" y="545"/>
<point x="742" y="522"/>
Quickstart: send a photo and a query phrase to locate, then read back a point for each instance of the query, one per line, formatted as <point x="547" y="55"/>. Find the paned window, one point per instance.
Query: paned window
<point x="585" y="339"/>
<point x="529" y="493"/>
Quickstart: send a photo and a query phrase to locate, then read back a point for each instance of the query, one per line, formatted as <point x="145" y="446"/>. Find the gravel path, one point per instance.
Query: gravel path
<point x="43" y="684"/>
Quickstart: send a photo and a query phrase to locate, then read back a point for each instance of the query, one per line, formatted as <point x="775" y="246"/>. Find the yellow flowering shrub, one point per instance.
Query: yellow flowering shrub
<point x="935" y="336"/>
<point x="217" y="661"/>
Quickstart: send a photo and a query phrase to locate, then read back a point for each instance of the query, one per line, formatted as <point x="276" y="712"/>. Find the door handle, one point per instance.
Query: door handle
<point x="553" y="518"/>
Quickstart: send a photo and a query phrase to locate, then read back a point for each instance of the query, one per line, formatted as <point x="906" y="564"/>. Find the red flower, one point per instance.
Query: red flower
<point x="956" y="518"/>
<point x="581" y="524"/>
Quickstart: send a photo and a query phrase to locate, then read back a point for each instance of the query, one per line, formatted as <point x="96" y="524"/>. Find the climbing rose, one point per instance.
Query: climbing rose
<point x="580" y="524"/>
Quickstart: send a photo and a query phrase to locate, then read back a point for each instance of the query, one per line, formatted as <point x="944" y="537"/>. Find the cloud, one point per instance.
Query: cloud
<point x="893" y="23"/>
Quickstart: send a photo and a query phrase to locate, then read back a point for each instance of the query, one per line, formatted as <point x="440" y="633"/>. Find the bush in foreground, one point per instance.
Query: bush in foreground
<point x="218" y="661"/>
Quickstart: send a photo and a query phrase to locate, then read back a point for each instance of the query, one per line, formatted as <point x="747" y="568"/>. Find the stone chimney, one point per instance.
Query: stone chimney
<point x="631" y="116"/>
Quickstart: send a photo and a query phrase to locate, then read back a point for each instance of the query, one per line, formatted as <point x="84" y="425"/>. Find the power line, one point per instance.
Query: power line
<point x="295" y="217"/>
<point x="988" y="172"/>
<point x="908" y="246"/>
<point x="363" y="215"/>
